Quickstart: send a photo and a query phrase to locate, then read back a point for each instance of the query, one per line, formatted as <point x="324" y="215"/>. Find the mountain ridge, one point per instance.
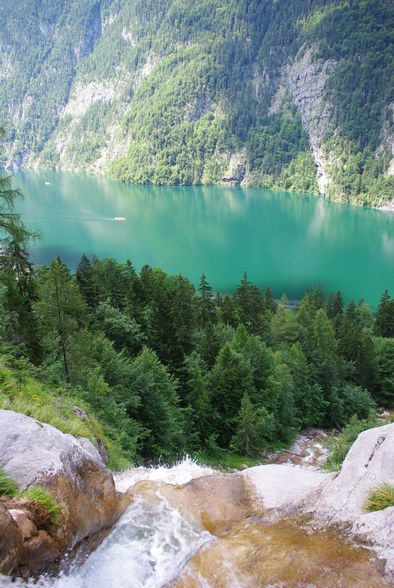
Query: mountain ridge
<point x="295" y="96"/>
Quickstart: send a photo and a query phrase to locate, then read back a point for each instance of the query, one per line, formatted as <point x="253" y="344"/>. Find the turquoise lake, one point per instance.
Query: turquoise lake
<point x="286" y="241"/>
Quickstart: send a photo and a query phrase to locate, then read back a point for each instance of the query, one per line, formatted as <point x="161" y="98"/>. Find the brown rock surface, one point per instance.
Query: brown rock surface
<point x="39" y="551"/>
<point x="10" y="542"/>
<point x="34" y="453"/>
<point x="24" y="523"/>
<point x="216" y="502"/>
<point x="254" y="554"/>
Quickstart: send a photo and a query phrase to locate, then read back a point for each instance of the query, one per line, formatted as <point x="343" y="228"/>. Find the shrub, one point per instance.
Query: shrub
<point x="380" y="498"/>
<point x="8" y="487"/>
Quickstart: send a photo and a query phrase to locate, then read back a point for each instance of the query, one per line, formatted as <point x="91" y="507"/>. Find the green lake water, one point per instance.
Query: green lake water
<point x="286" y="241"/>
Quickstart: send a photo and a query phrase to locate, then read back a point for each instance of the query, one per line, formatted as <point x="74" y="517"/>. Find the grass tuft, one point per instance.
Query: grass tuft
<point x="380" y="498"/>
<point x="8" y="487"/>
<point x="43" y="497"/>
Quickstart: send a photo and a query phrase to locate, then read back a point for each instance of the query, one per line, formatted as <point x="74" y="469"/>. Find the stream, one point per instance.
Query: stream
<point x="155" y="544"/>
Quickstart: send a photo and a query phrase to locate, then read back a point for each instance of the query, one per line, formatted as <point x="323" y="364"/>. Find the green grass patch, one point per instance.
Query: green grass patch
<point x="54" y="406"/>
<point x="43" y="497"/>
<point x="380" y="498"/>
<point x="8" y="487"/>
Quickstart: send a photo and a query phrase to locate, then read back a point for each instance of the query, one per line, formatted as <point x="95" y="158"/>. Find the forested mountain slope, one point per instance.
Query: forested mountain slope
<point x="277" y="93"/>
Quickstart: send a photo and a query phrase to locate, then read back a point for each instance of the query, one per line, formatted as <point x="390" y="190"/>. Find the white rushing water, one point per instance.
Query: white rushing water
<point x="182" y="473"/>
<point x="146" y="548"/>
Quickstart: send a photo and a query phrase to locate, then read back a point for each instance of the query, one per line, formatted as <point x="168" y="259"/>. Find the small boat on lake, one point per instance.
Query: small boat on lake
<point x="120" y="219"/>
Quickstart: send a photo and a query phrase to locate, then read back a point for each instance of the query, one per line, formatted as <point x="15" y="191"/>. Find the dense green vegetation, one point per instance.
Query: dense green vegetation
<point x="154" y="369"/>
<point x="166" y="91"/>
<point x="168" y="370"/>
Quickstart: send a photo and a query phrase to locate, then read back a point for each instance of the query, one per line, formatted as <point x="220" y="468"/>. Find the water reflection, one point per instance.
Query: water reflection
<point x="287" y="241"/>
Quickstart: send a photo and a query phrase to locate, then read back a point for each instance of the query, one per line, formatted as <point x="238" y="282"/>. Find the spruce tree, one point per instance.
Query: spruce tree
<point x="384" y="319"/>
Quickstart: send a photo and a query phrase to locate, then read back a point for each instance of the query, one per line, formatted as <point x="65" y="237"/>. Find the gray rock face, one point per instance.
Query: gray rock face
<point x="306" y="80"/>
<point x="282" y="486"/>
<point x="369" y="463"/>
<point x="33" y="453"/>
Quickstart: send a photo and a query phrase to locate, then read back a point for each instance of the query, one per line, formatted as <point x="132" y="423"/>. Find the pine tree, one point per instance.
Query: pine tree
<point x="206" y="307"/>
<point x="247" y="439"/>
<point x="384" y="318"/>
<point x="159" y="411"/>
<point x="230" y="378"/>
<point x="84" y="277"/>
<point x="242" y="300"/>
<point x="268" y="302"/>
<point x="60" y="309"/>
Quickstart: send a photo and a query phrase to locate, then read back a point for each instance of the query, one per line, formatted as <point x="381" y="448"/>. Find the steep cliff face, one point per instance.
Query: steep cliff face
<point x="162" y="92"/>
<point x="306" y="78"/>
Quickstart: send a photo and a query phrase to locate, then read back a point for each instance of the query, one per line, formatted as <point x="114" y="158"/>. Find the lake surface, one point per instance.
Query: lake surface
<point x="286" y="241"/>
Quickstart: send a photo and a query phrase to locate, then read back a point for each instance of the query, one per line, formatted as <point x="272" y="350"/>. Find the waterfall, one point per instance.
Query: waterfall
<point x="146" y="548"/>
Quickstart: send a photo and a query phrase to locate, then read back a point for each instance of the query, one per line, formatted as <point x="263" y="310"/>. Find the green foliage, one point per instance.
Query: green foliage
<point x="151" y="368"/>
<point x="384" y="320"/>
<point x="254" y="427"/>
<point x="380" y="498"/>
<point x="42" y="496"/>
<point x="384" y="391"/>
<point x="158" y="410"/>
<point x="8" y="487"/>
<point x="51" y="404"/>
<point x="177" y="88"/>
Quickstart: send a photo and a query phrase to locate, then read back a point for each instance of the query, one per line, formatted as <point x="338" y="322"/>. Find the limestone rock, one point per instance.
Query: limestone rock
<point x="284" y="487"/>
<point x="369" y="462"/>
<point x="33" y="453"/>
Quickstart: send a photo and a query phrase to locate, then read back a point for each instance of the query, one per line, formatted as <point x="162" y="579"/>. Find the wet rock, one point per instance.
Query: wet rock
<point x="215" y="502"/>
<point x="33" y="453"/>
<point x="10" y="542"/>
<point x="39" y="552"/>
<point x="255" y="554"/>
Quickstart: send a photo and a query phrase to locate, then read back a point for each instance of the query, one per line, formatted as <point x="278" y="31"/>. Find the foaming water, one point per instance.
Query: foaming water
<point x="160" y="542"/>
<point x="147" y="547"/>
<point x="181" y="473"/>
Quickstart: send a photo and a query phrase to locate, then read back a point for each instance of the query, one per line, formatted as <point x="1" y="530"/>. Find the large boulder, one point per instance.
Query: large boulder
<point x="284" y="487"/>
<point x="33" y="453"/>
<point x="369" y="463"/>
